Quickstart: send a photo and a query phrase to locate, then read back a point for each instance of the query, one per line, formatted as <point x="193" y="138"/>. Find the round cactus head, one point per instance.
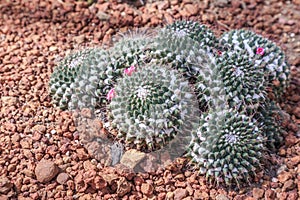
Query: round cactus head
<point x="242" y="80"/>
<point x="227" y="148"/>
<point x="152" y="106"/>
<point x="61" y="84"/>
<point x="260" y="49"/>
<point x="194" y="30"/>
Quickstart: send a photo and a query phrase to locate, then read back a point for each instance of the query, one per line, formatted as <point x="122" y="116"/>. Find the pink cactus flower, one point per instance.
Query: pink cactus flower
<point x="260" y="51"/>
<point x="219" y="52"/>
<point x="111" y="94"/>
<point x="130" y="70"/>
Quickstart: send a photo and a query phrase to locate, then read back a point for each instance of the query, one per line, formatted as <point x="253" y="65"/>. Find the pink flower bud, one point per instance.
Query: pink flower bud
<point x="219" y="52"/>
<point x="260" y="51"/>
<point x="111" y="94"/>
<point x="130" y="70"/>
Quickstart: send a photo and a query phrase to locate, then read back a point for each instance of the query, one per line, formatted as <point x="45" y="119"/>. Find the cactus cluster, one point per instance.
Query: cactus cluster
<point x="184" y="81"/>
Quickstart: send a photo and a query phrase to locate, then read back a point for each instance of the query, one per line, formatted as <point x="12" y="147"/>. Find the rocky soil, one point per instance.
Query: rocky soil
<point x="40" y="155"/>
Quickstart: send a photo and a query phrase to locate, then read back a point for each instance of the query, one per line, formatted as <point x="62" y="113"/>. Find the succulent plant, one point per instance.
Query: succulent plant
<point x="242" y="80"/>
<point x="176" y="43"/>
<point x="145" y="83"/>
<point x="152" y="106"/>
<point x="228" y="147"/>
<point x="131" y="49"/>
<point x="90" y="86"/>
<point x="259" y="48"/>
<point x="268" y="119"/>
<point x="194" y="30"/>
<point x="63" y="77"/>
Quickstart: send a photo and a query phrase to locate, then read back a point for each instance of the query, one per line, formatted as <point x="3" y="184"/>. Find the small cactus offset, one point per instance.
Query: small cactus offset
<point x="268" y="119"/>
<point x="61" y="84"/>
<point x="260" y="49"/>
<point x="197" y="32"/>
<point x="183" y="83"/>
<point x="242" y="79"/>
<point x="178" y="42"/>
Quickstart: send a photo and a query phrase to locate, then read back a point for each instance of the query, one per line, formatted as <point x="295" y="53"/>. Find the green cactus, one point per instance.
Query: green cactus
<point x="268" y="119"/>
<point x="152" y="106"/>
<point x="196" y="31"/>
<point x="61" y="84"/>
<point x="263" y="50"/>
<point x="228" y="147"/>
<point x="243" y="82"/>
<point x="176" y="43"/>
<point x="144" y="85"/>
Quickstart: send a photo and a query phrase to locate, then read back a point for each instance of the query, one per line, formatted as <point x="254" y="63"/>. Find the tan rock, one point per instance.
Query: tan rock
<point x="258" y="193"/>
<point x="132" y="157"/>
<point x="5" y="185"/>
<point x="62" y="178"/>
<point x="147" y="189"/>
<point x="9" y="101"/>
<point x="221" y="197"/>
<point x="180" y="193"/>
<point x="284" y="176"/>
<point x="45" y="171"/>
<point x="288" y="185"/>
<point x="124" y="187"/>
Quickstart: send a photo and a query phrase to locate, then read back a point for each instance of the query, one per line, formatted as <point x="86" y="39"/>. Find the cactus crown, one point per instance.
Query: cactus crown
<point x="151" y="105"/>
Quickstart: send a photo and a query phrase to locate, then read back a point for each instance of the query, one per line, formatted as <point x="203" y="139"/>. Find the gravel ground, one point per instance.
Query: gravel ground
<point x="40" y="156"/>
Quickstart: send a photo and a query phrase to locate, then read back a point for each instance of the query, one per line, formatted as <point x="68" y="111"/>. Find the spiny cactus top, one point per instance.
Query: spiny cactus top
<point x="259" y="48"/>
<point x="153" y="105"/>
<point x="268" y="119"/>
<point x="242" y="79"/>
<point x="197" y="32"/>
<point x="228" y="147"/>
<point x="62" y="79"/>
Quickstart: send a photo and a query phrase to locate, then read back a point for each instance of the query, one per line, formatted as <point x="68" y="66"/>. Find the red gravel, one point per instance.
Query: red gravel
<point x="35" y="34"/>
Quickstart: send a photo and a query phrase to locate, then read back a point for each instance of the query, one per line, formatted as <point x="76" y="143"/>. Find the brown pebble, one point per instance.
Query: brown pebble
<point x="45" y="171"/>
<point x="62" y="178"/>
<point x="180" y="193"/>
<point x="147" y="189"/>
<point x="258" y="193"/>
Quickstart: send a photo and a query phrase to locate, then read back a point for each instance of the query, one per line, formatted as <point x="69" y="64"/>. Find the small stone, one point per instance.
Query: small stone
<point x="147" y="189"/>
<point x="39" y="128"/>
<point x="79" y="39"/>
<point x="5" y="185"/>
<point x="180" y="193"/>
<point x="62" y="178"/>
<point x="221" y="197"/>
<point x="293" y="195"/>
<point x="284" y="176"/>
<point x="124" y="187"/>
<point x="132" y="157"/>
<point x="53" y="48"/>
<point x="269" y="194"/>
<point x="258" y="193"/>
<point x="295" y="160"/>
<point x="170" y="195"/>
<point x="288" y="185"/>
<point x="161" y="196"/>
<point x="138" y="180"/>
<point x="88" y="165"/>
<point x="45" y="171"/>
<point x="9" y="101"/>
<point x="82" y="155"/>
<point x="191" y="9"/>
